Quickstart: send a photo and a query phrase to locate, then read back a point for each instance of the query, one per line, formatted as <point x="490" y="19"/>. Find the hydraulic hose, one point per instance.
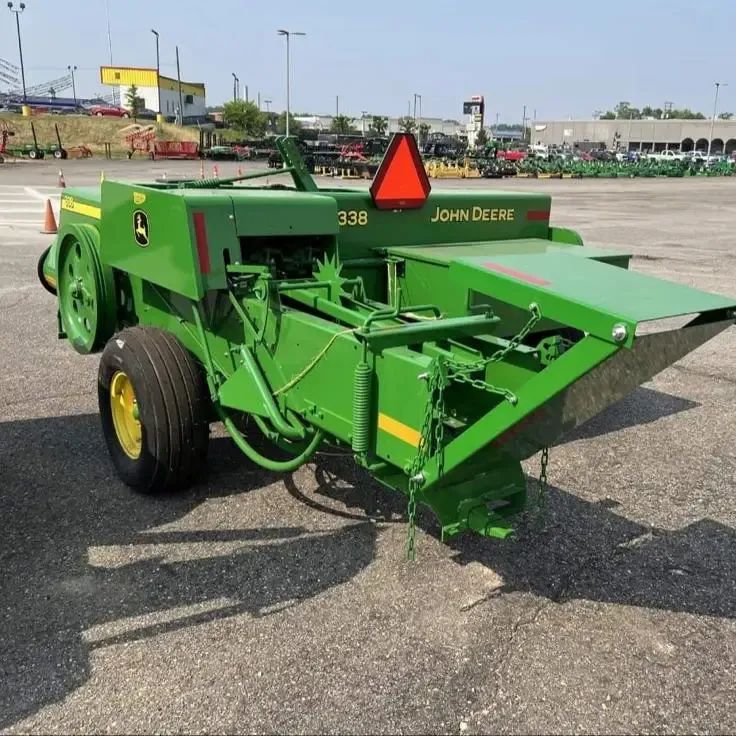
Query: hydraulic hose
<point x="277" y="466"/>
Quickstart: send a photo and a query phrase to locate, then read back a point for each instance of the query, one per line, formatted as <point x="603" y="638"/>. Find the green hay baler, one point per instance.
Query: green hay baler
<point x="443" y="337"/>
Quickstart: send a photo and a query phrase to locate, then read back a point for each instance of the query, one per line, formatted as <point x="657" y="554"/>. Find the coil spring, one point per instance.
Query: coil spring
<point x="361" y="407"/>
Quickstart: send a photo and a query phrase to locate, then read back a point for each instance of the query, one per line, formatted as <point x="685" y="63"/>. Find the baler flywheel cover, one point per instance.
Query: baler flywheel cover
<point x="86" y="299"/>
<point x="125" y="415"/>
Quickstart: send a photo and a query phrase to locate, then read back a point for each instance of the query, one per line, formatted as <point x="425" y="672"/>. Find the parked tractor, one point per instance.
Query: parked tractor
<point x="441" y="337"/>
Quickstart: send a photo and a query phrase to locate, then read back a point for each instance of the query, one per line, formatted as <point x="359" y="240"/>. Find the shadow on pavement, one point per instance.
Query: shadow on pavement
<point x="641" y="406"/>
<point x="62" y="505"/>
<point x="585" y="551"/>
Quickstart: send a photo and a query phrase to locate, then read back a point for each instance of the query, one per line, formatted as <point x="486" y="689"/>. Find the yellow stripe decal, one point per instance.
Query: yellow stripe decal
<point x="88" y="210"/>
<point x="50" y="280"/>
<point x="397" y="429"/>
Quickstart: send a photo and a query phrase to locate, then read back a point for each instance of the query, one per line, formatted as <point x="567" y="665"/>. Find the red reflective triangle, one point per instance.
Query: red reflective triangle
<point x="401" y="183"/>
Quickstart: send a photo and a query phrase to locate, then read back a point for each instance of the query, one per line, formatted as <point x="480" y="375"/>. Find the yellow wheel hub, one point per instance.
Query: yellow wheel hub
<point x="125" y="417"/>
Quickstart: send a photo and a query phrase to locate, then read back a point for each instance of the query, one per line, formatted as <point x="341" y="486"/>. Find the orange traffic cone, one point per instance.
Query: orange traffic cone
<point x="216" y="172"/>
<point x="61" y="182"/>
<point x="49" y="226"/>
<point x="201" y="169"/>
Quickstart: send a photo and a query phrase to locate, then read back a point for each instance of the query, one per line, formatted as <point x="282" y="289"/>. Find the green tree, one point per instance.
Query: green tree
<point x="424" y="129"/>
<point x="294" y="125"/>
<point x="379" y="125"/>
<point x="407" y="124"/>
<point x="652" y="112"/>
<point x="725" y="116"/>
<point x="244" y="117"/>
<point x="608" y="115"/>
<point x="625" y="111"/>
<point x="342" y="124"/>
<point x="133" y="102"/>
<point x="482" y="138"/>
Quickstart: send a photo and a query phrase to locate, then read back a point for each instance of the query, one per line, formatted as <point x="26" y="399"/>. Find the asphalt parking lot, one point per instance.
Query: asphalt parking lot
<point x="268" y="603"/>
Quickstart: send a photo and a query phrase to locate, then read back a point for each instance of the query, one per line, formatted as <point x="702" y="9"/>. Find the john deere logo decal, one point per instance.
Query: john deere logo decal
<point x="140" y="228"/>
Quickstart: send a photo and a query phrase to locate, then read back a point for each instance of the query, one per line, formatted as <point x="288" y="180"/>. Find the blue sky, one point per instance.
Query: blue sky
<point x="562" y="57"/>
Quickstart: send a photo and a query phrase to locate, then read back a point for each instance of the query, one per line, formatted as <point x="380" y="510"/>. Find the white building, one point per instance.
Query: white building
<point x="148" y="81"/>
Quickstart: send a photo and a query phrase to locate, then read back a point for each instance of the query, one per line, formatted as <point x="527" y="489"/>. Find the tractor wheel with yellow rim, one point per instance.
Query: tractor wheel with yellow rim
<point x="154" y="408"/>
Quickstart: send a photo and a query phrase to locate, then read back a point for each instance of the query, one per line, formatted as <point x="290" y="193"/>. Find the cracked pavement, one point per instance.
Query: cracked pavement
<point x="265" y="603"/>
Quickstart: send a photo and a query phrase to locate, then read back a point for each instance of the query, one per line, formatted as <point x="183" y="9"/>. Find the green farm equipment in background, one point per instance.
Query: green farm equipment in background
<point x="442" y="338"/>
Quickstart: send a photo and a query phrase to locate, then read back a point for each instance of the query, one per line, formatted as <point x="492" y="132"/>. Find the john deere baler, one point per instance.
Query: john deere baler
<point x="444" y="337"/>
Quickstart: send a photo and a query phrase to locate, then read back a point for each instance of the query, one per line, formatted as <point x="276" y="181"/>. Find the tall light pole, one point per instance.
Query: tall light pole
<point x="109" y="47"/>
<point x="21" y="8"/>
<point x="235" y="86"/>
<point x="288" y="35"/>
<point x="713" y="119"/>
<point x="72" y="69"/>
<point x="158" y="71"/>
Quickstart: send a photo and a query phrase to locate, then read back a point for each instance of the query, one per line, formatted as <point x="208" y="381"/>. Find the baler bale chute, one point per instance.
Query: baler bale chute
<point x="443" y="337"/>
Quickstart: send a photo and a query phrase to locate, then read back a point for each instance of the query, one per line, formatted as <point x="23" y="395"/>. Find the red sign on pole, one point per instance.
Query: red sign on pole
<point x="401" y="183"/>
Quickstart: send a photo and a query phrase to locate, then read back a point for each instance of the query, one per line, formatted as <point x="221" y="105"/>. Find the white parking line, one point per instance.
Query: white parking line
<point x="21" y="207"/>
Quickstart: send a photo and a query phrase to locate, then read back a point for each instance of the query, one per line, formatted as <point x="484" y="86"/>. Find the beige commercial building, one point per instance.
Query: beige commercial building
<point x="635" y="135"/>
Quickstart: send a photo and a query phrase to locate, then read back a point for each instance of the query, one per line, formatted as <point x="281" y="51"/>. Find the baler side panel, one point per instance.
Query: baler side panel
<point x="446" y="217"/>
<point x="169" y="258"/>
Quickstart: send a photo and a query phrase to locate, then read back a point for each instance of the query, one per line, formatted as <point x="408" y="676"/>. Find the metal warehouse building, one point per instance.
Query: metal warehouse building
<point x="639" y="135"/>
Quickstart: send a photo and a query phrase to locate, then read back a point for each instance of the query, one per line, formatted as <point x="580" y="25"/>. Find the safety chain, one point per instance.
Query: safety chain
<point x="459" y="372"/>
<point x="542" y="487"/>
<point x="430" y="442"/>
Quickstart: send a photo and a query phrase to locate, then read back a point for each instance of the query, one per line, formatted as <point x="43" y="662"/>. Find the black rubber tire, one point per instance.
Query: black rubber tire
<point x="39" y="271"/>
<point x="173" y="402"/>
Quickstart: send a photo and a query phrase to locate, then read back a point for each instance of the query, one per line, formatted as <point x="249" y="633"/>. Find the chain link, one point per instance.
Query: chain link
<point x="430" y="442"/>
<point x="542" y="487"/>
<point x="459" y="372"/>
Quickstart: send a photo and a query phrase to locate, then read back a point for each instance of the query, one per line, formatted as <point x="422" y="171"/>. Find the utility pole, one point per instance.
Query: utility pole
<point x="337" y="106"/>
<point x="235" y="86"/>
<point x="178" y="79"/>
<point x="259" y="100"/>
<point x="267" y="103"/>
<point x="713" y="119"/>
<point x="246" y="93"/>
<point x="158" y="71"/>
<point x="288" y="34"/>
<point x="523" y="125"/>
<point x="17" y="13"/>
<point x="72" y="69"/>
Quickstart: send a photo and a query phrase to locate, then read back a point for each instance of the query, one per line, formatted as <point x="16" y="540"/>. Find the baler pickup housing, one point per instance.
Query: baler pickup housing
<point x="442" y="337"/>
